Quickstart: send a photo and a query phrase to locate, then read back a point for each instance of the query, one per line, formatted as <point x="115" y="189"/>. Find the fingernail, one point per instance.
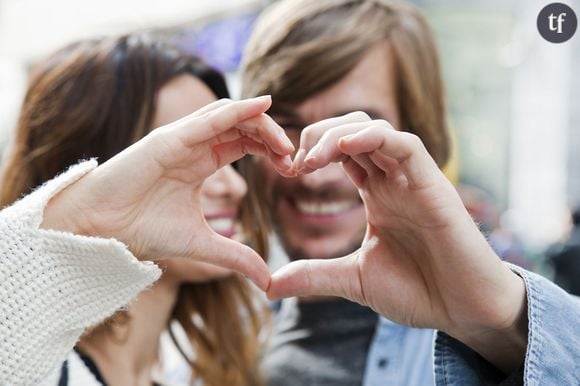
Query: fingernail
<point x="282" y="135"/>
<point x="347" y="138"/>
<point x="287" y="162"/>
<point x="263" y="97"/>
<point x="314" y="152"/>
<point x="299" y="159"/>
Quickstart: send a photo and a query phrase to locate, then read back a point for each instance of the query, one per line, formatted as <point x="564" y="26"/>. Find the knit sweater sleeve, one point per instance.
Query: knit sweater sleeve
<point x="54" y="285"/>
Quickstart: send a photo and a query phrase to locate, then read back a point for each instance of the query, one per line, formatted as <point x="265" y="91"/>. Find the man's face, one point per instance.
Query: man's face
<point x="321" y="215"/>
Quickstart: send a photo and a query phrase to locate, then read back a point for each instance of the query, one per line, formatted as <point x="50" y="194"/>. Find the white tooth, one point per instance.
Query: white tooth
<point x="325" y="208"/>
<point x="221" y="224"/>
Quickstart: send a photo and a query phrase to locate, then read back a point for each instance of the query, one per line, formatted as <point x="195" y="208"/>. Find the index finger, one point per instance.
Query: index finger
<point x="312" y="133"/>
<point x="404" y="148"/>
<point x="219" y="120"/>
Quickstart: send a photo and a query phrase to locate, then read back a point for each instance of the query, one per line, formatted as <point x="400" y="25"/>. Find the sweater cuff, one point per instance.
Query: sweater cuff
<point x="30" y="208"/>
<point x="54" y="284"/>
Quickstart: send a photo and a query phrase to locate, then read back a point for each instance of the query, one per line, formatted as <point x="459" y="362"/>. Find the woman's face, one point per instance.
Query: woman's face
<point x="221" y="193"/>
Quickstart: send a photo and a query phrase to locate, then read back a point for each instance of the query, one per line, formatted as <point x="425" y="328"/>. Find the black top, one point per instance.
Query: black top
<point x="319" y="344"/>
<point x="91" y="365"/>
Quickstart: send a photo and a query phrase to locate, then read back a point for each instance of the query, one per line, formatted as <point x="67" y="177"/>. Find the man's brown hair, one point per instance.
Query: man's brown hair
<point x="301" y="47"/>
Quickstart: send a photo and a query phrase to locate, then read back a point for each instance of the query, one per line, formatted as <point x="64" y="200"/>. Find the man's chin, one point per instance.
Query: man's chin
<point x="298" y="253"/>
<point x="324" y="248"/>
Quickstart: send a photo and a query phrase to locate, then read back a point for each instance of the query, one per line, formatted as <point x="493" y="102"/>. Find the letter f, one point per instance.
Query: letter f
<point x="560" y="21"/>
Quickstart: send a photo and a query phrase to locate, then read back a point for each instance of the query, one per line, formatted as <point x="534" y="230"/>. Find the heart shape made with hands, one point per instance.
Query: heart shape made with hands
<point x="385" y="165"/>
<point x="421" y="253"/>
<point x="356" y="141"/>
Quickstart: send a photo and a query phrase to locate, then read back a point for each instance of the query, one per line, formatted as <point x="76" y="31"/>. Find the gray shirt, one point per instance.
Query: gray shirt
<point x="319" y="344"/>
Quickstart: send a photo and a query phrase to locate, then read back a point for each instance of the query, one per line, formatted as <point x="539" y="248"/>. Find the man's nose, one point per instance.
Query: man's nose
<point x="329" y="175"/>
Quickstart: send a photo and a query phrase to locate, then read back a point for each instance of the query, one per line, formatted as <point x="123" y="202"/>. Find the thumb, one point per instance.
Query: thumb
<point x="333" y="277"/>
<point x="227" y="253"/>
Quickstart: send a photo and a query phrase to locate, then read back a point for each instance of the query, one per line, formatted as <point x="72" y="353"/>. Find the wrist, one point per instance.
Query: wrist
<point x="501" y="338"/>
<point x="63" y="213"/>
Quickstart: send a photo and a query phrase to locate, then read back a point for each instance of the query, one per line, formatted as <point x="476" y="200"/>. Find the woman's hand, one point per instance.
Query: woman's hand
<point x="423" y="262"/>
<point x="148" y="196"/>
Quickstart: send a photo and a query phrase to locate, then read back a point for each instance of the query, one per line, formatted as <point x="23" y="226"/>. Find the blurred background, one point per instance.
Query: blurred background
<point x="513" y="97"/>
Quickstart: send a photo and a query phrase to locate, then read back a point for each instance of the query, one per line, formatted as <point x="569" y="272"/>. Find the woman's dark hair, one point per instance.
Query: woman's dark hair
<point x="94" y="98"/>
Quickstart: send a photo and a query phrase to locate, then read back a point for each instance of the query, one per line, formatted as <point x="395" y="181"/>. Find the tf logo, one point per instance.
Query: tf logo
<point x="557" y="22"/>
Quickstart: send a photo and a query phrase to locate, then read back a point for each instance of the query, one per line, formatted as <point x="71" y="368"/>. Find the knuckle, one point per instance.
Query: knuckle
<point x="360" y="115"/>
<point x="328" y="135"/>
<point x="207" y="119"/>
<point x="416" y="144"/>
<point x="261" y="122"/>
<point x="307" y="135"/>
<point x="207" y="116"/>
<point x="377" y="129"/>
<point x="251" y="127"/>
<point x="412" y="139"/>
<point x="383" y="123"/>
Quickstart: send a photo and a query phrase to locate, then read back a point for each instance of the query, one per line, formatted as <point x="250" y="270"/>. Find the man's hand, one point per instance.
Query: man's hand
<point x="423" y="262"/>
<point x="148" y="196"/>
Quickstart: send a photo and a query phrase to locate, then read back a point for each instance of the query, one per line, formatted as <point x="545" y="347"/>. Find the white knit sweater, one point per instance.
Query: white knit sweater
<point x="54" y="285"/>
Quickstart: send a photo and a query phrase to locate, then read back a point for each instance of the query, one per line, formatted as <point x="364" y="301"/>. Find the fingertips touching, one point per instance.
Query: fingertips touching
<point x="287" y="171"/>
<point x="283" y="164"/>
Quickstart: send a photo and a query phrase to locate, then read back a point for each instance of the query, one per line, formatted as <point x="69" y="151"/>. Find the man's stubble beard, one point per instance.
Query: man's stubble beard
<point x="295" y="252"/>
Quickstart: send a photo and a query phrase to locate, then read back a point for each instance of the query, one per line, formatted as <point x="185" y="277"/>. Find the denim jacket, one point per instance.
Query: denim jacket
<point x="399" y="356"/>
<point x="404" y="356"/>
<point x="553" y="353"/>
